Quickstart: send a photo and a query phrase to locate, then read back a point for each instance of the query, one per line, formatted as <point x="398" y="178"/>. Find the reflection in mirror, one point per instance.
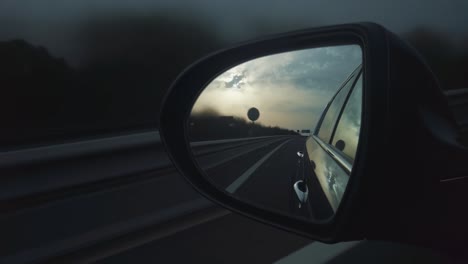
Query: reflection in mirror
<point x="281" y="132"/>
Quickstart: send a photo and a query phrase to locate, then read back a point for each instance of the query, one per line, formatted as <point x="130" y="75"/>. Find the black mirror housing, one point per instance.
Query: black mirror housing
<point x="407" y="147"/>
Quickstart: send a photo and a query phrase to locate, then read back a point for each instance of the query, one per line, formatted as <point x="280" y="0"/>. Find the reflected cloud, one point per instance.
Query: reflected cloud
<point x="236" y="81"/>
<point x="290" y="89"/>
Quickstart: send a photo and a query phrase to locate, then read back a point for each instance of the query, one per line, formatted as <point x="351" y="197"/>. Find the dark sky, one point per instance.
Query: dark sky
<point x="56" y="23"/>
<point x="395" y="14"/>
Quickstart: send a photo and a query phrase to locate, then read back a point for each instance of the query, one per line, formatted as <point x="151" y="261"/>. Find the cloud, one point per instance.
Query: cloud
<point x="236" y="81"/>
<point x="290" y="89"/>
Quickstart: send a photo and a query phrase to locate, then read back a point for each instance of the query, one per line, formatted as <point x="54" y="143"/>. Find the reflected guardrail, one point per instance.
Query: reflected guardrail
<point x="201" y="148"/>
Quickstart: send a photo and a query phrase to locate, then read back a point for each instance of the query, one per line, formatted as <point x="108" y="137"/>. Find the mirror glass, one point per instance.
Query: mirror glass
<point x="280" y="132"/>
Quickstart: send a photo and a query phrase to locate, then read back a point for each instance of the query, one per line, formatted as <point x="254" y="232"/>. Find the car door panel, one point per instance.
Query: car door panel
<point x="332" y="177"/>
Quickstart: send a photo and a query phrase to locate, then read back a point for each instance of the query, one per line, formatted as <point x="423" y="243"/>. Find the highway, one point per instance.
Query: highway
<point x="122" y="196"/>
<point x="264" y="173"/>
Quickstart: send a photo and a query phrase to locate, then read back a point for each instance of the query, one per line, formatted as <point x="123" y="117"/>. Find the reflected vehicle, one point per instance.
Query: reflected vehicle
<point x="332" y="147"/>
<point x="305" y="132"/>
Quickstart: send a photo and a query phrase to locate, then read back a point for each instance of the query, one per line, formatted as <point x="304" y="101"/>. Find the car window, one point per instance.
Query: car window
<point x="347" y="132"/>
<point x="331" y="116"/>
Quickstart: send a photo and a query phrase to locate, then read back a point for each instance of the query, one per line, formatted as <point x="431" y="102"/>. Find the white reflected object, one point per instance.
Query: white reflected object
<point x="302" y="191"/>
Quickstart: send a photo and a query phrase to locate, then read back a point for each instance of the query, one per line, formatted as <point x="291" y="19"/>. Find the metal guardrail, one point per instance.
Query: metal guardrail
<point x="214" y="146"/>
<point x="457" y="92"/>
<point x="81" y="148"/>
<point x="458" y="103"/>
<point x="96" y="146"/>
<point x="223" y="141"/>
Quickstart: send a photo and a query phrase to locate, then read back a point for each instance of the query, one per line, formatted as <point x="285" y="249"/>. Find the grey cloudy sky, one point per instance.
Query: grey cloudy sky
<point x="56" y="23"/>
<point x="290" y="89"/>
<point x="395" y="14"/>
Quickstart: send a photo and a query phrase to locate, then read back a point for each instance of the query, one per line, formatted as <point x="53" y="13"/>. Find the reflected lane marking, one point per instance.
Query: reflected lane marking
<point x="256" y="147"/>
<point x="239" y="181"/>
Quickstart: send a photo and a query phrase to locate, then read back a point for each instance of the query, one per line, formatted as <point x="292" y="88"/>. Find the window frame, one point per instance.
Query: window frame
<point x="355" y="74"/>
<point x="343" y="160"/>
<point x="359" y="75"/>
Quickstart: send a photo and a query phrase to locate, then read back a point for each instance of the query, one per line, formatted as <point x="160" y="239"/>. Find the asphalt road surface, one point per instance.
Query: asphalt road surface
<point x="264" y="174"/>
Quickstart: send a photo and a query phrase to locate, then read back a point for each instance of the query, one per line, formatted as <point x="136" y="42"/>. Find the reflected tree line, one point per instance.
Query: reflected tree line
<point x="209" y="125"/>
<point x="127" y="65"/>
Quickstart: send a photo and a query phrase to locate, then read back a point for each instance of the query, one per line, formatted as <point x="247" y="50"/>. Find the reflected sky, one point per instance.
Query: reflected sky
<point x="290" y="89"/>
<point x="349" y="126"/>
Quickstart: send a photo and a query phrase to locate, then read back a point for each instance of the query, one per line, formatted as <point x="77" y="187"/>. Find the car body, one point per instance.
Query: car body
<point x="330" y="159"/>
<point x="305" y="132"/>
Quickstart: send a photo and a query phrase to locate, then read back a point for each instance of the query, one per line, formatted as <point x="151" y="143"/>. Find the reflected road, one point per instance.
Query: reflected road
<point x="264" y="174"/>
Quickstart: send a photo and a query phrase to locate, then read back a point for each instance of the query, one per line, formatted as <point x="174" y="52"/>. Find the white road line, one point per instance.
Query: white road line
<point x="215" y="164"/>
<point x="239" y="181"/>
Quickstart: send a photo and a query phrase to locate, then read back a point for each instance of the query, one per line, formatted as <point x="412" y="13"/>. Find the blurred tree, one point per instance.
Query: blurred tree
<point x="131" y="61"/>
<point x="34" y="85"/>
<point x="209" y="125"/>
<point x="128" y="63"/>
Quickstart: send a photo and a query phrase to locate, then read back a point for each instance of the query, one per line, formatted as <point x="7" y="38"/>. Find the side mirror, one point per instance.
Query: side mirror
<point x="337" y="133"/>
